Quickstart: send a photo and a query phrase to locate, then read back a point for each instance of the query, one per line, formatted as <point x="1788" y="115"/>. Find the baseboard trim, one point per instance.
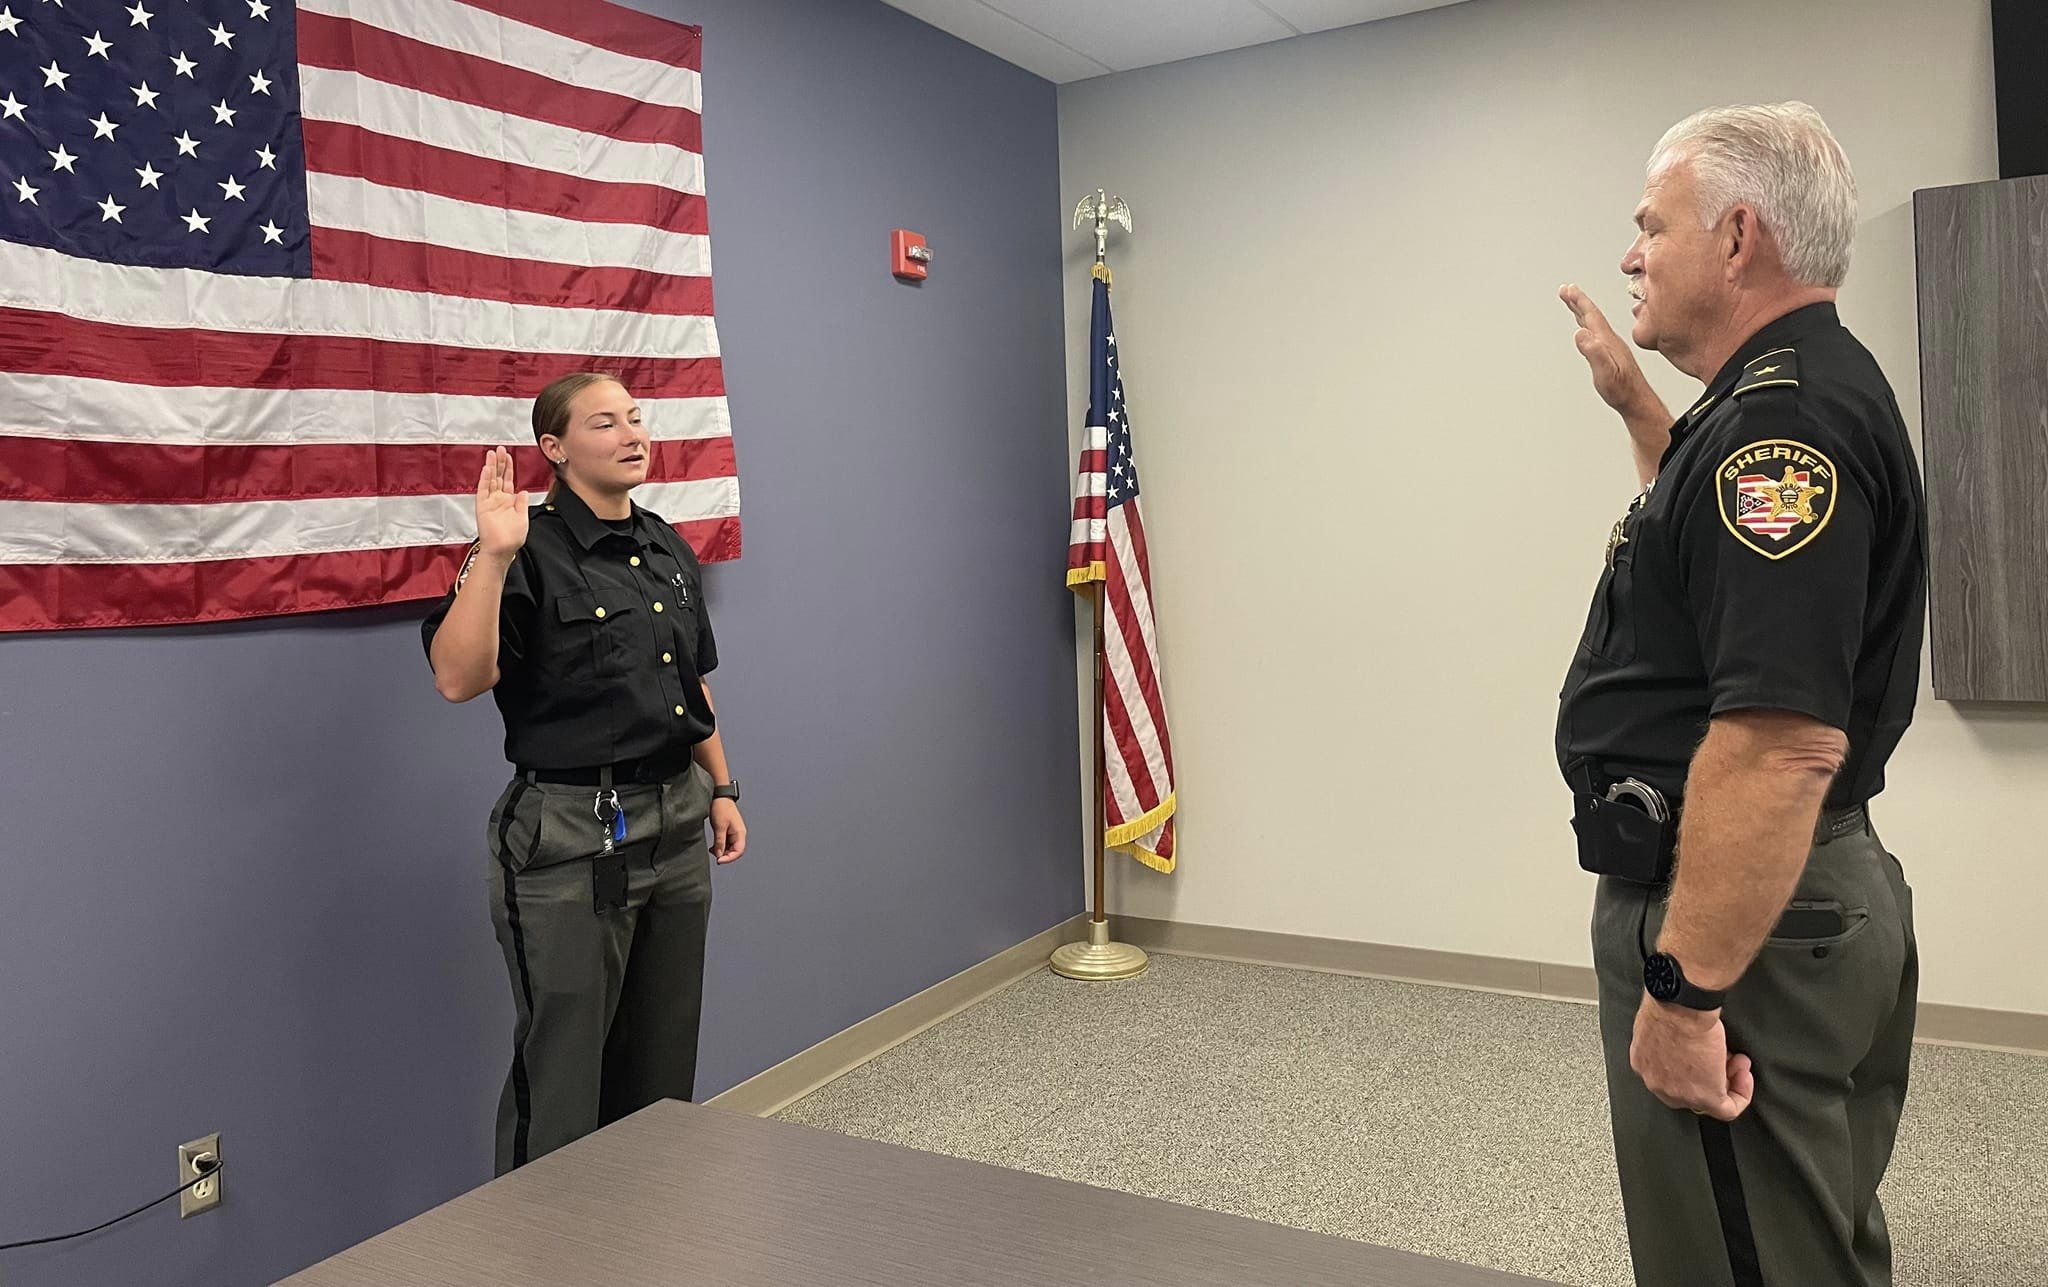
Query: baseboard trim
<point x="769" y="1092"/>
<point x="2018" y="1032"/>
<point x="2014" y="1031"/>
<point x="1365" y="960"/>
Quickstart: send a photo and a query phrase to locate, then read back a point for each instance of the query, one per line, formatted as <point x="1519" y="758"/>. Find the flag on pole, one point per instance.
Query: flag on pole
<point x="274" y="275"/>
<point x="1108" y="545"/>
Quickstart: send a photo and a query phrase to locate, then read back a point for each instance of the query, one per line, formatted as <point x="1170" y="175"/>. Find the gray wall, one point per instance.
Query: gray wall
<point x="1390" y="327"/>
<point x="241" y="880"/>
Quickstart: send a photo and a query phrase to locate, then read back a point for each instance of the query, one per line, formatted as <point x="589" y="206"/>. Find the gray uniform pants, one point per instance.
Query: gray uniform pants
<point x="606" y="1003"/>
<point x="1787" y="1194"/>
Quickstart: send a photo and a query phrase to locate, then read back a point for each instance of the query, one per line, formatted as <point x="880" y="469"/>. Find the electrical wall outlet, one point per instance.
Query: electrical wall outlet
<point x="205" y="1195"/>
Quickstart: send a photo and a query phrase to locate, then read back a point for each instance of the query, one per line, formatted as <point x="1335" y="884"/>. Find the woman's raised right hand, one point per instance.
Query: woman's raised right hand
<point x="500" y="510"/>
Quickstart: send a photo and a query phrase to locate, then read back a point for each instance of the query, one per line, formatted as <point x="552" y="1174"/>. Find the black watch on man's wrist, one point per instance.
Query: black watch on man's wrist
<point x="1665" y="980"/>
<point x="729" y="791"/>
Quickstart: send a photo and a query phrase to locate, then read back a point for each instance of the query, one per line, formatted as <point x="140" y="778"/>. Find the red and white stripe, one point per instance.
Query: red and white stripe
<point x="1763" y="489"/>
<point x="1108" y="544"/>
<point x="499" y="192"/>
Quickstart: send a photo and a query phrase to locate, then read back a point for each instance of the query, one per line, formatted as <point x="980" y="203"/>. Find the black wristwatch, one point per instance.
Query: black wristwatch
<point x="730" y="791"/>
<point x="1664" y="979"/>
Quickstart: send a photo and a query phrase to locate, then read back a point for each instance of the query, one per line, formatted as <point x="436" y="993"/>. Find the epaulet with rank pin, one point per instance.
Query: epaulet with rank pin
<point x="1778" y="369"/>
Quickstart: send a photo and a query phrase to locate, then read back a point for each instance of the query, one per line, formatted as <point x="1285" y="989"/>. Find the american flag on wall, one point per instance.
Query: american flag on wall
<point x="274" y="276"/>
<point x="1108" y="545"/>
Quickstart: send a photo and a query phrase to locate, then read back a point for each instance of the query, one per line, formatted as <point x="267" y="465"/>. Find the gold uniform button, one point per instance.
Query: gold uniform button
<point x="600" y="614"/>
<point x="635" y="560"/>
<point x="679" y="710"/>
<point x="657" y="605"/>
<point x="667" y="657"/>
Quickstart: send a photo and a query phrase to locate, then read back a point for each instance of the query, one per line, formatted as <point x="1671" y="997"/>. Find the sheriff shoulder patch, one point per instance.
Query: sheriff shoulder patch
<point x="1776" y="495"/>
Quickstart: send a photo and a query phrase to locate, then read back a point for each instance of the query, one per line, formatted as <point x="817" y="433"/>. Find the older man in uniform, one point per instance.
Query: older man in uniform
<point x="1749" y="664"/>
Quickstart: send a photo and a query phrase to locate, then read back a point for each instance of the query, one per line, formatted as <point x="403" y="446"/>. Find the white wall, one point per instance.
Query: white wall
<point x="1378" y="485"/>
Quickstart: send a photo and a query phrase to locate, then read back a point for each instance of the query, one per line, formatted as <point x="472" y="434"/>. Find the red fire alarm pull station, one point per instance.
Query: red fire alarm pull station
<point x="911" y="255"/>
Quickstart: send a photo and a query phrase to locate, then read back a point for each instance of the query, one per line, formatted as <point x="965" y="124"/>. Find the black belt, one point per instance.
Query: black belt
<point x="1629" y="830"/>
<point x="645" y="771"/>
<point x="1836" y="823"/>
<point x="1832" y="824"/>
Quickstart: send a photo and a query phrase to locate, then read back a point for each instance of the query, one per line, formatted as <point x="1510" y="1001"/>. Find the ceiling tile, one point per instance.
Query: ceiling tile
<point x="1140" y="33"/>
<point x="1323" y="15"/>
<point x="1003" y="36"/>
<point x="1069" y="40"/>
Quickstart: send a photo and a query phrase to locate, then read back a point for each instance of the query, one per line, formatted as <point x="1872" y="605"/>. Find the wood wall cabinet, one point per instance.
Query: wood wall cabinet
<point x="1983" y="267"/>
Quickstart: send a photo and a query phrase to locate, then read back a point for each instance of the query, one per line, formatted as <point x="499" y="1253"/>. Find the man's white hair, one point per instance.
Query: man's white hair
<point x="1781" y="159"/>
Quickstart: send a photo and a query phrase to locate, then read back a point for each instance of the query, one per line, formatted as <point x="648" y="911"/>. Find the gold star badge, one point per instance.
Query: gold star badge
<point x="1793" y="497"/>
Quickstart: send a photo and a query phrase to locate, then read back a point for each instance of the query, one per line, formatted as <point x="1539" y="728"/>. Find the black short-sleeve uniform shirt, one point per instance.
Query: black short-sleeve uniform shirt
<point x="603" y="640"/>
<point x="1778" y="561"/>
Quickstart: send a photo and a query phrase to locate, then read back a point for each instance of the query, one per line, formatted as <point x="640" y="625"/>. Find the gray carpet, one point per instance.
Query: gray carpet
<point x="1458" y="1124"/>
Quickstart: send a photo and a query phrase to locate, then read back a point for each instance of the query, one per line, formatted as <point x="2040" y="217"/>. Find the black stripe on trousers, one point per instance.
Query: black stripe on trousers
<point x="1718" y="1139"/>
<point x="522" y="1088"/>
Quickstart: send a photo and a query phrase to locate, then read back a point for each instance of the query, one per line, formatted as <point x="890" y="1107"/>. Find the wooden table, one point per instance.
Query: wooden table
<point x="681" y="1194"/>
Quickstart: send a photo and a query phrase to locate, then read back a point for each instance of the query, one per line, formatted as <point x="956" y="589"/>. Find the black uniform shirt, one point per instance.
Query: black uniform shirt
<point x="1778" y="562"/>
<point x="602" y="640"/>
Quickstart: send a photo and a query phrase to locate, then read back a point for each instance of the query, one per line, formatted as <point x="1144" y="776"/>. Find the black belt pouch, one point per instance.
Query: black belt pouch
<point x="1618" y="839"/>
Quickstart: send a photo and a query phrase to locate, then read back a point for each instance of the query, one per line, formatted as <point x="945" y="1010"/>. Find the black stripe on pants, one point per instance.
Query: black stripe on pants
<point x="1718" y="1139"/>
<point x="522" y="1090"/>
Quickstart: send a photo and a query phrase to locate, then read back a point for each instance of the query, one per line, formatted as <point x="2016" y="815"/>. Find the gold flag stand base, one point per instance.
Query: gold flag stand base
<point x="1098" y="958"/>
